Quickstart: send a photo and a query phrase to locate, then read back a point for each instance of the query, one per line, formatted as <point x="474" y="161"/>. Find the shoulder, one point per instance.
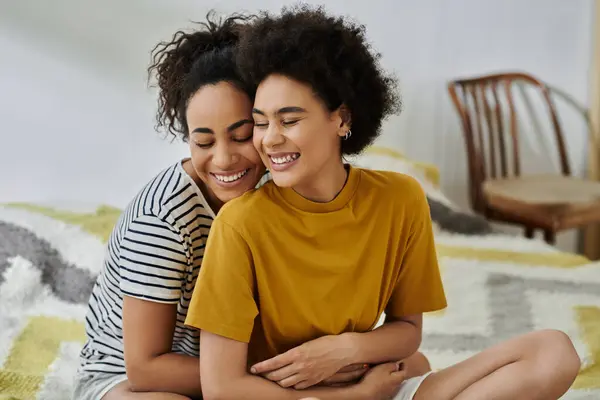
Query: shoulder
<point x="401" y="188"/>
<point x="249" y="209"/>
<point x="169" y="200"/>
<point x="171" y="193"/>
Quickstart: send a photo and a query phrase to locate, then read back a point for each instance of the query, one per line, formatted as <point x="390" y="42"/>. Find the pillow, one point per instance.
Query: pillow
<point x="386" y="159"/>
<point x="446" y="215"/>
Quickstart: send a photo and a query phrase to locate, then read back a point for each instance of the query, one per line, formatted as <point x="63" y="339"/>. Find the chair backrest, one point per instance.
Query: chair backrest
<point x="493" y="148"/>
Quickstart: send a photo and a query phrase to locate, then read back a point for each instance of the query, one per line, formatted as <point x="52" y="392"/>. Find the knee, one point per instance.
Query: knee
<point x="417" y="365"/>
<point x="559" y="346"/>
<point x="557" y="359"/>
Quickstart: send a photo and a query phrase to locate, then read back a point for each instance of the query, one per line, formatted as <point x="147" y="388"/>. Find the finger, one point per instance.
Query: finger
<point x="335" y="385"/>
<point x="399" y="376"/>
<point x="388" y="367"/>
<point x="343" y="377"/>
<point x="272" y="364"/>
<point x="290" y="381"/>
<point x="281" y="373"/>
<point x="304" y="385"/>
<point x="354" y="367"/>
<point x="400" y="372"/>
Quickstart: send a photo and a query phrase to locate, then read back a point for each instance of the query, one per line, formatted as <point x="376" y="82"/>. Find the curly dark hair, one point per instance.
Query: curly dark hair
<point x="191" y="60"/>
<point x="329" y="53"/>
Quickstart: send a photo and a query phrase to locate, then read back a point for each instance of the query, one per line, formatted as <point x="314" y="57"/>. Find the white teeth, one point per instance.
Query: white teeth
<point x="231" y="178"/>
<point x="286" y="159"/>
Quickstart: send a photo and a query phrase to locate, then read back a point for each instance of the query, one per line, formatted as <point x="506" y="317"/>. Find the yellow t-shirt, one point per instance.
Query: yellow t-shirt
<point x="280" y="270"/>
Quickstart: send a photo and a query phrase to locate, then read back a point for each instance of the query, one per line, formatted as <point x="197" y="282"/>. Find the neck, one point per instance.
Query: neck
<point x="326" y="186"/>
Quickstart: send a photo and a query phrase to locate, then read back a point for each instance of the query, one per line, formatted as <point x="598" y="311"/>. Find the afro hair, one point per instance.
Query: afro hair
<point x="332" y="56"/>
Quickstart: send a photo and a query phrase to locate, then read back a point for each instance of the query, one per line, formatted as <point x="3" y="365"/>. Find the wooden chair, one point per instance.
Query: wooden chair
<point x="498" y="189"/>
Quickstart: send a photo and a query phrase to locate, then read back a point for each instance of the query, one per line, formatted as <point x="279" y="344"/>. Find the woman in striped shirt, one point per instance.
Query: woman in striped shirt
<point x="137" y="344"/>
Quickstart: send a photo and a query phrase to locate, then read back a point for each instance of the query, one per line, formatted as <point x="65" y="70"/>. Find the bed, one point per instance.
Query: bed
<point x="497" y="286"/>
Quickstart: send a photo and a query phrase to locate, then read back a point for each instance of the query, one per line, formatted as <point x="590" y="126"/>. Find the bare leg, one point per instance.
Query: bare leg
<point x="123" y="392"/>
<point x="536" y="366"/>
<point x="416" y="365"/>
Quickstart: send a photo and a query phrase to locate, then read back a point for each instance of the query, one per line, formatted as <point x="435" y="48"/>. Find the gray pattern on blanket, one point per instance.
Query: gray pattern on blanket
<point x="455" y="221"/>
<point x="74" y="285"/>
<point x="66" y="281"/>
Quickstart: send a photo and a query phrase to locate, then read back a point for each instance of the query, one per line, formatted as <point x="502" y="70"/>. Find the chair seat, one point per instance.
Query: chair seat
<point x="550" y="201"/>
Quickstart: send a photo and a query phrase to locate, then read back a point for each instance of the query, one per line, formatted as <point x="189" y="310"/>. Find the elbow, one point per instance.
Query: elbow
<point x="418" y="339"/>
<point x="139" y="377"/>
<point x="215" y="387"/>
<point x="218" y="391"/>
<point x="415" y="343"/>
<point x="414" y="335"/>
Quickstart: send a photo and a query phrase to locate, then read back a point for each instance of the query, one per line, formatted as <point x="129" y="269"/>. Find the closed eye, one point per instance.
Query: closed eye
<point x="242" y="140"/>
<point x="290" y="123"/>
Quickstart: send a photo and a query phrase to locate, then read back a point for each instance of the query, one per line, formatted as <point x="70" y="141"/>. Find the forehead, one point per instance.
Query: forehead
<point x="278" y="91"/>
<point x="219" y="102"/>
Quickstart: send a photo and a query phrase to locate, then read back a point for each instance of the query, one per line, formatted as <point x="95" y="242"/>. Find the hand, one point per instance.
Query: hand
<point x="383" y="381"/>
<point x="347" y="376"/>
<point x="308" y="364"/>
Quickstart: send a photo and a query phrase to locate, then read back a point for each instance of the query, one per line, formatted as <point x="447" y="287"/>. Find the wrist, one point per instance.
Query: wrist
<point x="352" y="348"/>
<point x="361" y="391"/>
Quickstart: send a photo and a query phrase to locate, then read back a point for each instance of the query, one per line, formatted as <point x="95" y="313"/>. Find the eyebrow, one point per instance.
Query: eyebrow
<point x="284" y="110"/>
<point x="230" y="128"/>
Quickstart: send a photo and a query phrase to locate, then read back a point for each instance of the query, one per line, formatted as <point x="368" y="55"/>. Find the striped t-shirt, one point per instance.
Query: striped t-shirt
<point x="154" y="253"/>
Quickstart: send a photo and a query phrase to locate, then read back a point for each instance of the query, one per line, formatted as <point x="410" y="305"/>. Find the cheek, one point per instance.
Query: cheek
<point x="316" y="143"/>
<point x="257" y="137"/>
<point x="249" y="152"/>
<point x="308" y="138"/>
<point x="200" y="160"/>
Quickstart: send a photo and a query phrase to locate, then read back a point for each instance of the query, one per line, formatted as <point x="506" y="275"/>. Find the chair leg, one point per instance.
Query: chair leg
<point x="529" y="232"/>
<point x="550" y="236"/>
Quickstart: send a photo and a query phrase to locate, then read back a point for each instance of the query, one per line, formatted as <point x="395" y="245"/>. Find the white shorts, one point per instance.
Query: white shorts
<point x="409" y="387"/>
<point x="95" y="386"/>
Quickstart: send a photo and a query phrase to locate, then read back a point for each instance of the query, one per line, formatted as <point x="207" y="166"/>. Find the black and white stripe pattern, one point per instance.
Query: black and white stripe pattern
<point x="154" y="253"/>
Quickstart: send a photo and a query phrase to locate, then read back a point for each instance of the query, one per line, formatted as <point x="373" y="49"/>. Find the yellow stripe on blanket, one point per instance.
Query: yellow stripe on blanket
<point x="431" y="171"/>
<point x="33" y="352"/>
<point x="100" y="223"/>
<point x="550" y="259"/>
<point x="588" y="318"/>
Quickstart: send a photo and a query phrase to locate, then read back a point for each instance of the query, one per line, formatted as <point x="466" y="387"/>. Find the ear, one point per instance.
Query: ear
<point x="345" y="118"/>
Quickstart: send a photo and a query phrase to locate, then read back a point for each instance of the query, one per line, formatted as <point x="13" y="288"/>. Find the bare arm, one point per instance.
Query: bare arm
<point x="324" y="359"/>
<point x="394" y="340"/>
<point x="148" y="329"/>
<point x="225" y="376"/>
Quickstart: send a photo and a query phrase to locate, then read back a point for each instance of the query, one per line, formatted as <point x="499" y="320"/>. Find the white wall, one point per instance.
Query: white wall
<point x="76" y="119"/>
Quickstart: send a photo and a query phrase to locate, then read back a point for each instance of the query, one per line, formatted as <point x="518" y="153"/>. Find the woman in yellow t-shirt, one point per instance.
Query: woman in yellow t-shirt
<point x="296" y="274"/>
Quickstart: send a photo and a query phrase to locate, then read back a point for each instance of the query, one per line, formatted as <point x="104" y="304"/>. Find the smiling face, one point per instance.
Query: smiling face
<point x="222" y="155"/>
<point x="297" y="137"/>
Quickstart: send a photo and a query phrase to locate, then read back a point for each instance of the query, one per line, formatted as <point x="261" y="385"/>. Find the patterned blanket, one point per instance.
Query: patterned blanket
<point x="497" y="286"/>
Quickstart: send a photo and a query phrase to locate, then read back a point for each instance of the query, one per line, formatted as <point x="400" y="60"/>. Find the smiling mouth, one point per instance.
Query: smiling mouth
<point x="228" y="178"/>
<point x="284" y="159"/>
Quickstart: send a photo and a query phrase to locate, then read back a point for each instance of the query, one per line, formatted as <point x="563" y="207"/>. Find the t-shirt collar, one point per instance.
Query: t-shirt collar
<point x="296" y="200"/>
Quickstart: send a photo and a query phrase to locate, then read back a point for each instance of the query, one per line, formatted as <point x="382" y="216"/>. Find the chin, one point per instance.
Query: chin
<point x="283" y="180"/>
<point x="228" y="196"/>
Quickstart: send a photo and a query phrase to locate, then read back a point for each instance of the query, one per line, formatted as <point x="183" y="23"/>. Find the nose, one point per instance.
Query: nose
<point x="225" y="157"/>
<point x="273" y="136"/>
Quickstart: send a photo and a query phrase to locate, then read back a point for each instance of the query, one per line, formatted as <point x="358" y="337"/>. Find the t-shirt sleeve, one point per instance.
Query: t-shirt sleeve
<point x="152" y="261"/>
<point x="419" y="287"/>
<point x="223" y="301"/>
